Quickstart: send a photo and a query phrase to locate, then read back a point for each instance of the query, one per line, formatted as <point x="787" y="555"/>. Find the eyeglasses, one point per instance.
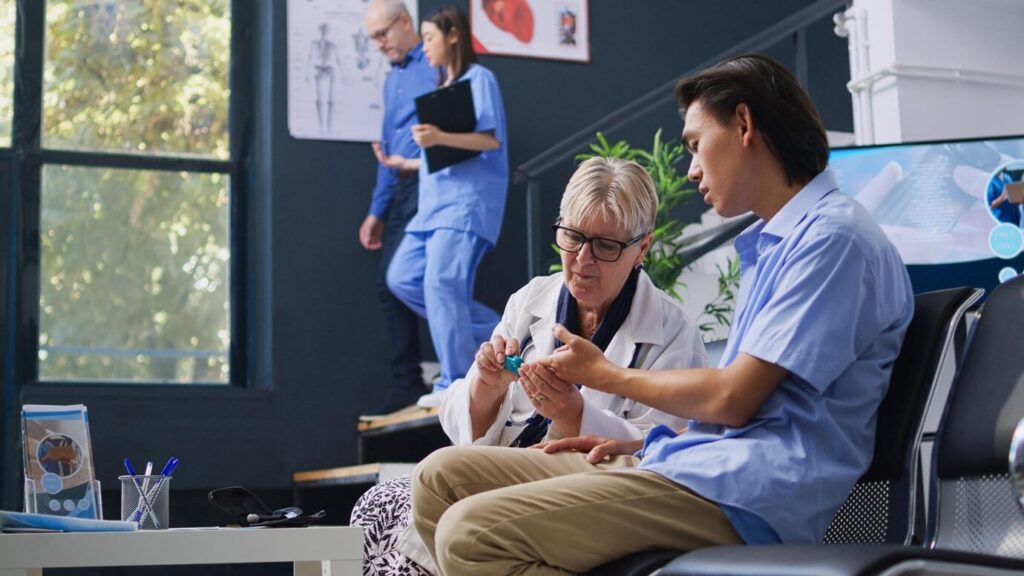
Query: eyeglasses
<point x="604" y="249"/>
<point x="380" y="34"/>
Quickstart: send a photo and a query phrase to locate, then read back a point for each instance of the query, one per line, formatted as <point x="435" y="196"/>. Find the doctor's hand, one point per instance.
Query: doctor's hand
<point x="580" y="361"/>
<point x="394" y="160"/>
<point x="490" y="362"/>
<point x="598" y="448"/>
<point x="426" y="135"/>
<point x="370" y="232"/>
<point x="553" y="398"/>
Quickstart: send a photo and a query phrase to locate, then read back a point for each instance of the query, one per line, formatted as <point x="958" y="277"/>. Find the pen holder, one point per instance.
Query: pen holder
<point x="144" y="500"/>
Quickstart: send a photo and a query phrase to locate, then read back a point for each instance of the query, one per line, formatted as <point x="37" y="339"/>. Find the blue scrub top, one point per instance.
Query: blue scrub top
<point x="412" y="77"/>
<point x="823" y="294"/>
<point x="470" y="195"/>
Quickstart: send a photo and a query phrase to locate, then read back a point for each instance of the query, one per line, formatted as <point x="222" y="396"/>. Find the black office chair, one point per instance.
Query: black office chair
<point x="974" y="526"/>
<point x="884" y="505"/>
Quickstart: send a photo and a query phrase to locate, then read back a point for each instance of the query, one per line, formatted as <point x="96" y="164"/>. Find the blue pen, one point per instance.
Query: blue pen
<point x="142" y="493"/>
<point x="131" y="472"/>
<point x="172" y="463"/>
<point x="154" y="490"/>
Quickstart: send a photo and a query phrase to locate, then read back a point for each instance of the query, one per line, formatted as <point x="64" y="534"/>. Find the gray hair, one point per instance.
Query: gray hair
<point x="393" y="7"/>
<point x="612" y="188"/>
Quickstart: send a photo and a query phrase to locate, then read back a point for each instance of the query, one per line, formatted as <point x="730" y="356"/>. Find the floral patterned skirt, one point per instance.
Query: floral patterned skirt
<point x="384" y="512"/>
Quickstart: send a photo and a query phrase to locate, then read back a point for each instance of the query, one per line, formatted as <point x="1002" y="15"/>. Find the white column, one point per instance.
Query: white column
<point x="935" y="69"/>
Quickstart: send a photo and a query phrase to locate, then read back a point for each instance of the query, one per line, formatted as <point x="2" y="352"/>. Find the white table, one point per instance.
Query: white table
<point x="315" y="551"/>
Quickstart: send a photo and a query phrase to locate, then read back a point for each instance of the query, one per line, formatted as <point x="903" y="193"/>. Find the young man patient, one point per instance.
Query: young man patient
<point x="778" y="434"/>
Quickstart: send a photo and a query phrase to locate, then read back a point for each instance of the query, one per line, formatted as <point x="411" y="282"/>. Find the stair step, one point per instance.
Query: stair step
<point x="348" y="475"/>
<point x="405" y="418"/>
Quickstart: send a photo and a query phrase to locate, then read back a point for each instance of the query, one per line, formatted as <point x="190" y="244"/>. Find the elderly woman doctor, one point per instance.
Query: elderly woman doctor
<point x="603" y="233"/>
<point x="602" y="294"/>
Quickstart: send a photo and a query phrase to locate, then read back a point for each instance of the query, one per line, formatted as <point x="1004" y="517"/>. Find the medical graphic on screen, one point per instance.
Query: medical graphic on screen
<point x="942" y="202"/>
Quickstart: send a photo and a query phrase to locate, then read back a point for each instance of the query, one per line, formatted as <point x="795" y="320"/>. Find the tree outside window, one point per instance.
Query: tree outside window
<point x="7" y="15"/>
<point x="135" y="262"/>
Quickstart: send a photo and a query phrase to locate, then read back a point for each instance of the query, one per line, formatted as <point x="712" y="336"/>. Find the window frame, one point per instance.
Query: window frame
<point x="27" y="158"/>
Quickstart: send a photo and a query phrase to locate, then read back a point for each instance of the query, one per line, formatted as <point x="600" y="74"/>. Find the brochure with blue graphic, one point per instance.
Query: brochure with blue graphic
<point x="59" y="475"/>
<point x="26" y="522"/>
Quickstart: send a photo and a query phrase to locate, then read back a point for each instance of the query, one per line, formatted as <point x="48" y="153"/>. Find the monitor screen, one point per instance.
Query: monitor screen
<point x="953" y="208"/>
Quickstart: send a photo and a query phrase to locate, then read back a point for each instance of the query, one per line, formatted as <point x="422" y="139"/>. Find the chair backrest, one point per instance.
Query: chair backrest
<point x="972" y="498"/>
<point x="884" y="505"/>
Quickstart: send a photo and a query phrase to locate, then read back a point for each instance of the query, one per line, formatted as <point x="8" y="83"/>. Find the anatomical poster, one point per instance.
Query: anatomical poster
<point x="553" y="29"/>
<point x="335" y="71"/>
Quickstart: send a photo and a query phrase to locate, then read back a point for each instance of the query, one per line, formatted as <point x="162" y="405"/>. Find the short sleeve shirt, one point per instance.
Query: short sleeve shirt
<point x="406" y="80"/>
<point x="470" y="195"/>
<point x="823" y="294"/>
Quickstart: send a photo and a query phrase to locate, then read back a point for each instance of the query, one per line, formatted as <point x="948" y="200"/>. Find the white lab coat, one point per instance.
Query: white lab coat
<point x="667" y="338"/>
<point x="656" y="321"/>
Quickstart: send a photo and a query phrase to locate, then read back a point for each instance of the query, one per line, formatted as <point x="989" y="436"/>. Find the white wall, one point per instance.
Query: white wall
<point x="935" y="69"/>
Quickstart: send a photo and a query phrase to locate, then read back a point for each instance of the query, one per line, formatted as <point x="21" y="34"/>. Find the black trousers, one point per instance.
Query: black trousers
<point x="402" y="323"/>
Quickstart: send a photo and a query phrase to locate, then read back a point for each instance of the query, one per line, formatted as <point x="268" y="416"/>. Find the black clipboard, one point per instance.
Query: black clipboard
<point x="450" y="109"/>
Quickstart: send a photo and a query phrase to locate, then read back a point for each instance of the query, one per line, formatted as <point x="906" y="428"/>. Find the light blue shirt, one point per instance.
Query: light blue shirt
<point x="470" y="195"/>
<point x="824" y="294"/>
<point x="407" y="79"/>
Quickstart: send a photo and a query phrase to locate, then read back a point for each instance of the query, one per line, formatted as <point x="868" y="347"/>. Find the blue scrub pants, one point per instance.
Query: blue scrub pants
<point x="433" y="273"/>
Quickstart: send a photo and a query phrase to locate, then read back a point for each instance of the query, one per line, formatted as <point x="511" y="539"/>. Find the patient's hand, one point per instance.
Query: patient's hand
<point x="597" y="447"/>
<point x="581" y="362"/>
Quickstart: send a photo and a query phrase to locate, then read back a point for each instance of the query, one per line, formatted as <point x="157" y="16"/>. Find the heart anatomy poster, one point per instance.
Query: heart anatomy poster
<point x="549" y="29"/>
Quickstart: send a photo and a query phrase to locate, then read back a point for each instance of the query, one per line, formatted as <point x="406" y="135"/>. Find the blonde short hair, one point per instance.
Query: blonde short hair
<point x="614" y="189"/>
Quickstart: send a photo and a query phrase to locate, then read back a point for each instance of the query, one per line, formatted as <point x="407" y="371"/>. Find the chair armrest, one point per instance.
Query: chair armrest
<point x="1017" y="463"/>
<point x="788" y="560"/>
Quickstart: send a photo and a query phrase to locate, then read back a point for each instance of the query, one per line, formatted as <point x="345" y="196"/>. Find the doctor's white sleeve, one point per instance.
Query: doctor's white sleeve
<point x="456" y="421"/>
<point x="454" y="414"/>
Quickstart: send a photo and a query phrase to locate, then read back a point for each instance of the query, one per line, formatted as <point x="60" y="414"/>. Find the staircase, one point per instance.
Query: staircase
<point x="389" y="445"/>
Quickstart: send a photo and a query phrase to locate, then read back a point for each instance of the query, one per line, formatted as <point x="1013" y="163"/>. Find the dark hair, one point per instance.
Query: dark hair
<point x="447" y="18"/>
<point x="782" y="111"/>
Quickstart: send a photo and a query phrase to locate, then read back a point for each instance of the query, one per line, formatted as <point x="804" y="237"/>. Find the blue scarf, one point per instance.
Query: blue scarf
<point x="567" y="314"/>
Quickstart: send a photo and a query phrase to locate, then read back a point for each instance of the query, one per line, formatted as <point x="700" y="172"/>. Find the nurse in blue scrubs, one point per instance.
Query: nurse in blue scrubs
<point x="460" y="208"/>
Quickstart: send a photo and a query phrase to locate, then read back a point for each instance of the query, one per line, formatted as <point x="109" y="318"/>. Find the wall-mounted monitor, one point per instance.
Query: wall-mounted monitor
<point x="954" y="209"/>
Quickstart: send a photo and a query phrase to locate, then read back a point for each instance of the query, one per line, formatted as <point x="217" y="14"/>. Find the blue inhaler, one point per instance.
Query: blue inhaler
<point x="512" y="364"/>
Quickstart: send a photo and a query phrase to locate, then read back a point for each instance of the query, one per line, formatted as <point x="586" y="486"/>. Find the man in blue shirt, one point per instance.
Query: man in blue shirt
<point x="778" y="434"/>
<point x="394" y="198"/>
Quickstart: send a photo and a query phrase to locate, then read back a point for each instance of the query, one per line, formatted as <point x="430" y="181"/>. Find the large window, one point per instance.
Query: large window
<point x="7" y="11"/>
<point x="135" y="191"/>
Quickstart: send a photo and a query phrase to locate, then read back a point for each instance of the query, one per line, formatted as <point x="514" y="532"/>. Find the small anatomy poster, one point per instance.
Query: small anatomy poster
<point x="335" y="71"/>
<point x="552" y="29"/>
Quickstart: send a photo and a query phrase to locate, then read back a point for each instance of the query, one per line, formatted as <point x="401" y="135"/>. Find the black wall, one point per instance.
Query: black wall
<point x="319" y="347"/>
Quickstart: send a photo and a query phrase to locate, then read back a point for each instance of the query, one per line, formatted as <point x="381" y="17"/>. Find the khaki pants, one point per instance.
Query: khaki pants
<point x="490" y="510"/>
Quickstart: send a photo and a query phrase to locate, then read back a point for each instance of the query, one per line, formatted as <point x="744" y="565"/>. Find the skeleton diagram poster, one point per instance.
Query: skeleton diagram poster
<point x="335" y="71"/>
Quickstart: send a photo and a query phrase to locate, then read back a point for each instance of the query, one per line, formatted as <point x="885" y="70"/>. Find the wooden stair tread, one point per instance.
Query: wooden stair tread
<point x="358" y="474"/>
<point x="411" y="414"/>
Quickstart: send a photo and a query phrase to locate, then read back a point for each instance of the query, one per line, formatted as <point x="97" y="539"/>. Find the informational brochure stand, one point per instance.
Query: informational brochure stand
<point x="59" y="476"/>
